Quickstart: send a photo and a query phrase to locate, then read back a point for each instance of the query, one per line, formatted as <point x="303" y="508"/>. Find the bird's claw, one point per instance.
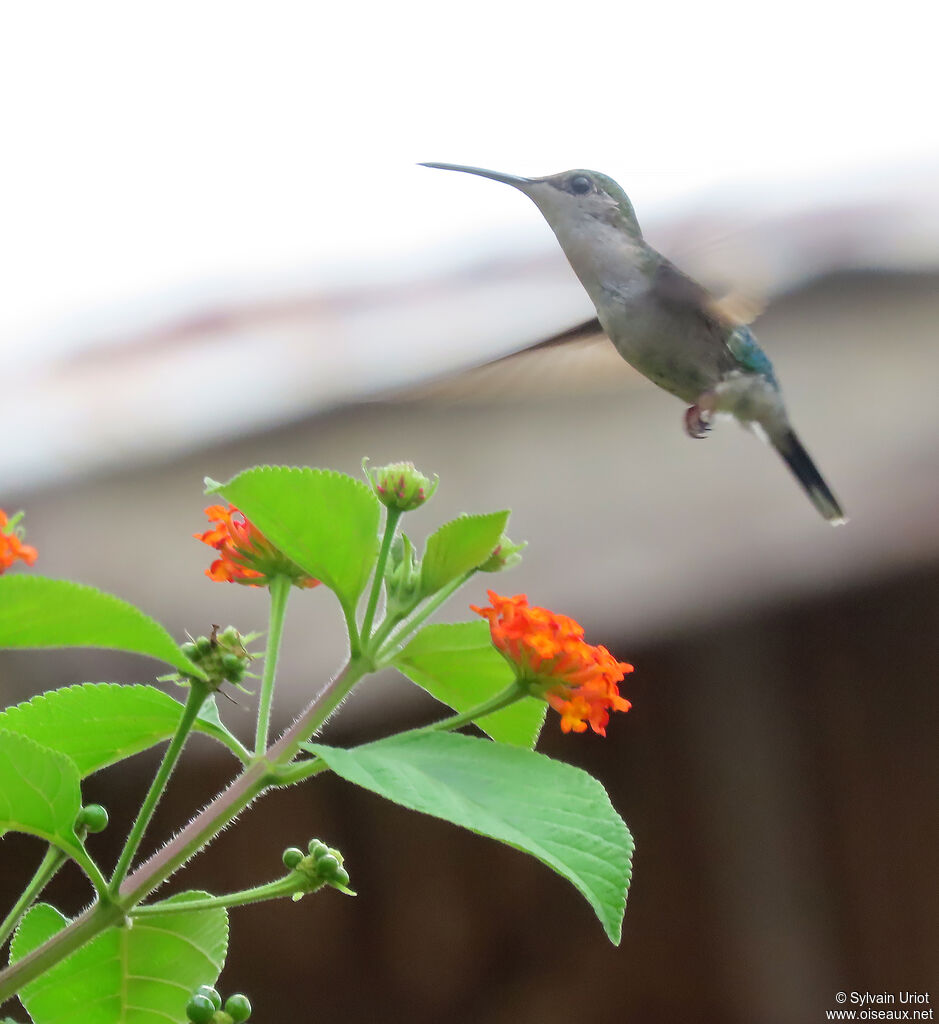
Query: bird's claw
<point x="697" y="421"/>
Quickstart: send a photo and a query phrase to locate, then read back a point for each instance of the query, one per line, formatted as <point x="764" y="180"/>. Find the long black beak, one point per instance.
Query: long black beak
<point x="508" y="179"/>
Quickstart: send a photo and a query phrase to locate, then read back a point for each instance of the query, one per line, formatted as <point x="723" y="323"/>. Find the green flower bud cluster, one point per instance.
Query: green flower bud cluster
<point x="321" y="866"/>
<point x="205" y="1007"/>
<point x="222" y="655"/>
<point x="399" y="485"/>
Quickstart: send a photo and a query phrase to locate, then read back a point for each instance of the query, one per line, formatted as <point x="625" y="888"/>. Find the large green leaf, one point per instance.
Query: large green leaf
<point x="456" y="663"/>
<point x="458" y="546"/>
<point x="96" y="724"/>
<point x="326" y="522"/>
<point x="556" y="812"/>
<point x="39" y="612"/>
<point x="39" y="792"/>
<point x="139" y="975"/>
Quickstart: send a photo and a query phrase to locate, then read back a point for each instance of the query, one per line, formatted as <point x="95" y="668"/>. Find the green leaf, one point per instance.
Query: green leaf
<point x="459" y="546"/>
<point x="96" y="724"/>
<point x="556" y="812"/>
<point x="457" y="664"/>
<point x="140" y="975"/>
<point x="39" y="612"/>
<point x="326" y="522"/>
<point x="39" y="792"/>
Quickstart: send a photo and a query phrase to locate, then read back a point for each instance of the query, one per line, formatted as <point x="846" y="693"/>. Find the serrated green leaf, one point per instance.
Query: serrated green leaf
<point x="39" y="612"/>
<point x="39" y="792"/>
<point x="552" y="810"/>
<point x="457" y="664"/>
<point x="140" y="975"/>
<point x="96" y="724"/>
<point x="326" y="522"/>
<point x="459" y="546"/>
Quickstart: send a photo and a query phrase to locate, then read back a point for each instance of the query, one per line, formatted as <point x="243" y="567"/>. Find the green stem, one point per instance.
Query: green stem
<point x="317" y="711"/>
<point x="197" y="695"/>
<point x="75" y="935"/>
<point x="97" y="879"/>
<point x="280" y="591"/>
<point x="387" y="627"/>
<point x="391" y="524"/>
<point x="384" y="653"/>
<point x="258" y="776"/>
<point x="258" y="894"/>
<point x="355" y="643"/>
<point x="291" y="774"/>
<point x="50" y="864"/>
<point x="513" y="692"/>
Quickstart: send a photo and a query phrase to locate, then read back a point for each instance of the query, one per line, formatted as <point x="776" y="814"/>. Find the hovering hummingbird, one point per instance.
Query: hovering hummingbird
<point x="662" y="322"/>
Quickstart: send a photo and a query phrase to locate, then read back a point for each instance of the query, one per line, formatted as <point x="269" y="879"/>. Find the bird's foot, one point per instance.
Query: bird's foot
<point x="697" y="421"/>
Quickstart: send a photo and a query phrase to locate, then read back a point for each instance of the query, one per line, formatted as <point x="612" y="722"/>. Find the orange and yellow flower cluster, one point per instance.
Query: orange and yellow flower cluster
<point x="548" y="652"/>
<point x="12" y="547"/>
<point x="245" y="554"/>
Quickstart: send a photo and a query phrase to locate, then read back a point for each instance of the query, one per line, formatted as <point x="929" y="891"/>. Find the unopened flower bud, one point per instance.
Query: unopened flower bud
<point x="402" y="576"/>
<point x="505" y="555"/>
<point x="399" y="485"/>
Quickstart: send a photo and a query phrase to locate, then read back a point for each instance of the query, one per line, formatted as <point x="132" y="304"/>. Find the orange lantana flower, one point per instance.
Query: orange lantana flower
<point x="548" y="652"/>
<point x="11" y="544"/>
<point x="247" y="556"/>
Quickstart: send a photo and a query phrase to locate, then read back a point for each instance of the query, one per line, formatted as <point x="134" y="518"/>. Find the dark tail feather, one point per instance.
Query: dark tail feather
<point x="803" y="469"/>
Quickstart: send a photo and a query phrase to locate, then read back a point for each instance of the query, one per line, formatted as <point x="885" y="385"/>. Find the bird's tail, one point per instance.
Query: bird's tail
<point x="803" y="469"/>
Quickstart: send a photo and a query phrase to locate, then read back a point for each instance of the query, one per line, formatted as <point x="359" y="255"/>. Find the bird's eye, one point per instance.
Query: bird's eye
<point x="580" y="185"/>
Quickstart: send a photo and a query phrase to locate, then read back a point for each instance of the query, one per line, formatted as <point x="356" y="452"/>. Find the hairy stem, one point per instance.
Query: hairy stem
<point x="259" y="775"/>
<point x="197" y="695"/>
<point x="257" y="894"/>
<point x="50" y="864"/>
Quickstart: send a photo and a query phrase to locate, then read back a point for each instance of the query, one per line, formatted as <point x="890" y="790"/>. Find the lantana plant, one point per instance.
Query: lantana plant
<point x="134" y="955"/>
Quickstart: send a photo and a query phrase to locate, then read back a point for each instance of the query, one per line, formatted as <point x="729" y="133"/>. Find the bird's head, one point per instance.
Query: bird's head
<point x="570" y="198"/>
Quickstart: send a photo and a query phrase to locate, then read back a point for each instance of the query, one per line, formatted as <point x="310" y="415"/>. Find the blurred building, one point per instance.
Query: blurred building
<point x="779" y="769"/>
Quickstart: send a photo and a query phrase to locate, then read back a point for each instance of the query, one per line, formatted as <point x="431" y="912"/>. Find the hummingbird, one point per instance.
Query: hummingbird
<point x="663" y="323"/>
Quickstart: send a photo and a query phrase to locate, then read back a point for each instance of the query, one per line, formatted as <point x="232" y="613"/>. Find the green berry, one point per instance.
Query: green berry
<point x="238" y="1008"/>
<point x="340" y="877"/>
<point x="211" y="994"/>
<point x="233" y="666"/>
<point x="189" y="649"/>
<point x="203" y="645"/>
<point x="200" y="1009"/>
<point x="93" y="818"/>
<point x="317" y="848"/>
<point x="327" y="866"/>
<point x="292" y="857"/>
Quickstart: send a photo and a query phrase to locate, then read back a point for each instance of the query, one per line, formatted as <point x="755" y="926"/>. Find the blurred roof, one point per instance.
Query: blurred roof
<point x="150" y="380"/>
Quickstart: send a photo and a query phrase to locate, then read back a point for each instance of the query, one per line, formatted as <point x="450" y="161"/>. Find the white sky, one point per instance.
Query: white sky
<point x="171" y="148"/>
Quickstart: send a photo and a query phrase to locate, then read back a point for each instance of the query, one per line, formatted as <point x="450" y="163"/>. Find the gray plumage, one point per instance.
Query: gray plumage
<point x="662" y="322"/>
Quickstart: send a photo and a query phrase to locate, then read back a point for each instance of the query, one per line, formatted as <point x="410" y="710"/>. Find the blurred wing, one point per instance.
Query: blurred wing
<point x="577" y="361"/>
<point x="730" y="310"/>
